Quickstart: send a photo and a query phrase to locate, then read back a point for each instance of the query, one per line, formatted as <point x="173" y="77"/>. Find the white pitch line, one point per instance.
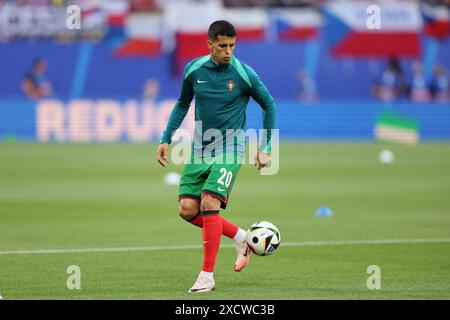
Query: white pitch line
<point x="352" y="242"/>
<point x="183" y="247"/>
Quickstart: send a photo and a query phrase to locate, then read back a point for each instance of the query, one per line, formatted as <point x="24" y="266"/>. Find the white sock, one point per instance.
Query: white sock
<point x="240" y="235"/>
<point x="209" y="275"/>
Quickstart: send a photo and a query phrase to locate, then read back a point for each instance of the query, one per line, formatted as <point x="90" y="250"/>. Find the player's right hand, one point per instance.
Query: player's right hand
<point x="162" y="154"/>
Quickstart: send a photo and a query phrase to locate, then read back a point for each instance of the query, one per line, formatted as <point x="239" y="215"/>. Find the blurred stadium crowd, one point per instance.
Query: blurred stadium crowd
<point x="306" y="49"/>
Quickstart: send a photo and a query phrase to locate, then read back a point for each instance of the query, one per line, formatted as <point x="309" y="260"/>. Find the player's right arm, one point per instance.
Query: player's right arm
<point x="177" y="115"/>
<point x="162" y="154"/>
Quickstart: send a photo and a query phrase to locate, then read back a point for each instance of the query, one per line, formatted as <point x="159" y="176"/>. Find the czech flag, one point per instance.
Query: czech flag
<point x="436" y="20"/>
<point x="297" y="24"/>
<point x="351" y="32"/>
<point x="142" y="36"/>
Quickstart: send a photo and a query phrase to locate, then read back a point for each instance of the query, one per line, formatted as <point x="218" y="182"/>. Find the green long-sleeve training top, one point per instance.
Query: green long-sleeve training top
<point x="222" y="92"/>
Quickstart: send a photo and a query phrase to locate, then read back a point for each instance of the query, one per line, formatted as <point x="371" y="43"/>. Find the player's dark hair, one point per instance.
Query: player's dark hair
<point x="221" y="28"/>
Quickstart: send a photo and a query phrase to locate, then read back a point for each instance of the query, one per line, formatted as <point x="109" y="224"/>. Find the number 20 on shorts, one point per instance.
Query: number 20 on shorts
<point x="227" y="175"/>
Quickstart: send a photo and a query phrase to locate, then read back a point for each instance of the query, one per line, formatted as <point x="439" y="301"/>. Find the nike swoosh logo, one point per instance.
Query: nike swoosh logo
<point x="220" y="189"/>
<point x="201" y="81"/>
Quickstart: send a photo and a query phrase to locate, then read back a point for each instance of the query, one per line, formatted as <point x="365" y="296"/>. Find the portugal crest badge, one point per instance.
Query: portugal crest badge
<point x="230" y="85"/>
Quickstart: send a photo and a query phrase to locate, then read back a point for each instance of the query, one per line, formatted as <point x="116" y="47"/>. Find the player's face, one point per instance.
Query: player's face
<point x="222" y="48"/>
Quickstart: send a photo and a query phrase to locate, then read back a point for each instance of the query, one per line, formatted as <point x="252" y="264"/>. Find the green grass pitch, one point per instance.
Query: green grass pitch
<point x="112" y="196"/>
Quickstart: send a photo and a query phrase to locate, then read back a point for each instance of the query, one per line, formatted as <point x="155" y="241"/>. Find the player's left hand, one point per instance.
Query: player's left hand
<point x="262" y="160"/>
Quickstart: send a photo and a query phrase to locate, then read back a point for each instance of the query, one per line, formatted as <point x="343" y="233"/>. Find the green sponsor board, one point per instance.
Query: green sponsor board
<point x="395" y="128"/>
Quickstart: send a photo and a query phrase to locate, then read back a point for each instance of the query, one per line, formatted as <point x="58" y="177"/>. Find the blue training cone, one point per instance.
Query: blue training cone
<point x="324" y="211"/>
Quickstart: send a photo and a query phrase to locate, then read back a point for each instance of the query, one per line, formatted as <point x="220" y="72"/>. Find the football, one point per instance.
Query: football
<point x="263" y="238"/>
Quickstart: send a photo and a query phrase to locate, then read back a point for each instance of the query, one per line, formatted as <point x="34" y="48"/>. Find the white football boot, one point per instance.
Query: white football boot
<point x="203" y="284"/>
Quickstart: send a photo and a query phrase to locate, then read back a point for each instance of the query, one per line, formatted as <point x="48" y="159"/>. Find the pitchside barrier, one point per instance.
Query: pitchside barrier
<point x="139" y="121"/>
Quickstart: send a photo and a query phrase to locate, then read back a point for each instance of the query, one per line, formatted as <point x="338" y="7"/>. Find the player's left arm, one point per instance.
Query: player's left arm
<point x="261" y="95"/>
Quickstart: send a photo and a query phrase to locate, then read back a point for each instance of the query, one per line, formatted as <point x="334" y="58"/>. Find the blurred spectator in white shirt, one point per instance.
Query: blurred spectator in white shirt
<point x="391" y="84"/>
<point x="440" y="85"/>
<point x="306" y="87"/>
<point x="418" y="88"/>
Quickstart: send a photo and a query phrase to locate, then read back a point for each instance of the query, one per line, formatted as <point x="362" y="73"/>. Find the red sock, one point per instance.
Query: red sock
<point x="212" y="232"/>
<point x="228" y="229"/>
<point x="197" y="220"/>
